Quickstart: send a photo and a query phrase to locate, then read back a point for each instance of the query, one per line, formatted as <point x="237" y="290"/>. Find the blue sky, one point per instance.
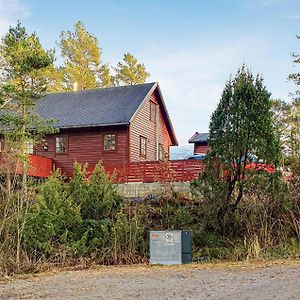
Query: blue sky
<point x="189" y="46"/>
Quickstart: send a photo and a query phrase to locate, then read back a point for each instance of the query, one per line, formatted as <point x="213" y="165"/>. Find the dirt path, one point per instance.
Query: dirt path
<point x="145" y="282"/>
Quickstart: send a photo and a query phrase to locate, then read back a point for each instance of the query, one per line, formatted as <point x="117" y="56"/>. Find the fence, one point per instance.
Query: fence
<point x="156" y="171"/>
<point x="38" y="166"/>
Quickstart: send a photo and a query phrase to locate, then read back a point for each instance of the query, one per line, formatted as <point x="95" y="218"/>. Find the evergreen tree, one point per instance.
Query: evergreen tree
<point x="240" y="132"/>
<point x="242" y="127"/>
<point x="23" y="82"/>
<point x="130" y="72"/>
<point x="82" y="60"/>
<point x="23" y="63"/>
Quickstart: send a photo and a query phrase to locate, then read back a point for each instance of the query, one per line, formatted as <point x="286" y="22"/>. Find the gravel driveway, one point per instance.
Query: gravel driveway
<point x="154" y="282"/>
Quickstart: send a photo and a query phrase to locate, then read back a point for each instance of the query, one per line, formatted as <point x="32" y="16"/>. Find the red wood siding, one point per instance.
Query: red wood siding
<point x="200" y="148"/>
<point x="86" y="146"/>
<point x="143" y="126"/>
<point x="156" y="171"/>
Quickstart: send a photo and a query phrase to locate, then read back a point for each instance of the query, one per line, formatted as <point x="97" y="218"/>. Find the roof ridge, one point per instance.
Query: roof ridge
<point x="103" y="88"/>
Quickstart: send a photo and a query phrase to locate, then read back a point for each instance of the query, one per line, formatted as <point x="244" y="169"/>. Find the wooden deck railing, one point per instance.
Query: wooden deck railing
<point x="149" y="171"/>
<point x="156" y="171"/>
<point x="38" y="166"/>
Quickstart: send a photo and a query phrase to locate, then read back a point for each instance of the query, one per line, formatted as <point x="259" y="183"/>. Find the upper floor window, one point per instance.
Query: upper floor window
<point x="143" y="146"/>
<point x="152" y="111"/>
<point x="61" y="144"/>
<point x="109" y="142"/>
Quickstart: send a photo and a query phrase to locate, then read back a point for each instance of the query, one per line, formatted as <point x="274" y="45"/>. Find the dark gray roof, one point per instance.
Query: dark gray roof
<point x="100" y="107"/>
<point x="199" y="137"/>
<point x="97" y="107"/>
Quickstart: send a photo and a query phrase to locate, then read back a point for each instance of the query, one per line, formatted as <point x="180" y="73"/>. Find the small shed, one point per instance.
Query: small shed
<point x="200" y="141"/>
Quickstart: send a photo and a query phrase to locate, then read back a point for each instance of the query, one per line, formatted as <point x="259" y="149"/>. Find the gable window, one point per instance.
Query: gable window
<point x="109" y="142"/>
<point x="143" y="146"/>
<point x="161" y="152"/>
<point x="61" y="144"/>
<point x="152" y="111"/>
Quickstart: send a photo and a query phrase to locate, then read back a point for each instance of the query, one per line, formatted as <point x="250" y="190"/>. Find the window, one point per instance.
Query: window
<point x="152" y="111"/>
<point x="109" y="142"/>
<point x="61" y="144"/>
<point x="143" y="146"/>
<point x="29" y="147"/>
<point x="161" y="152"/>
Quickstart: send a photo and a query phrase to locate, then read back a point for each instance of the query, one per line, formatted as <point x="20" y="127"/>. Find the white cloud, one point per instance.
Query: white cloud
<point x="10" y="12"/>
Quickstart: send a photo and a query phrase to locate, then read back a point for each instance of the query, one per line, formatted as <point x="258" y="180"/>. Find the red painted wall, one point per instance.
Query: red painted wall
<point x="86" y="146"/>
<point x="143" y="126"/>
<point x="200" y="148"/>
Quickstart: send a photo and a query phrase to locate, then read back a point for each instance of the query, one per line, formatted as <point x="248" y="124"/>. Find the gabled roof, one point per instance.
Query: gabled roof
<point x="199" y="138"/>
<point x="99" y="107"/>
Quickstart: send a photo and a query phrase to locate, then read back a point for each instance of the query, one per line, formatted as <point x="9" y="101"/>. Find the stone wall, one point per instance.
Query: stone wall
<point x="142" y="190"/>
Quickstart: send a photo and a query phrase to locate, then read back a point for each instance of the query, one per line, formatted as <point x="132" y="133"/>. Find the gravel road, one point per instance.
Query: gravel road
<point x="154" y="282"/>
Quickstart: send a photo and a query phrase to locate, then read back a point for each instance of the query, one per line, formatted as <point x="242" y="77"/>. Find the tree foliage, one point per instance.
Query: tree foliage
<point x="241" y="126"/>
<point x="82" y="59"/>
<point x="24" y="62"/>
<point x="130" y="72"/>
<point x="240" y="132"/>
<point x="296" y="76"/>
<point x="286" y="118"/>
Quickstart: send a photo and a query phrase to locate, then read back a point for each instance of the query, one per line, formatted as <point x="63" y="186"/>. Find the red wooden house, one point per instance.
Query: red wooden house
<point x="200" y="141"/>
<point x="117" y="125"/>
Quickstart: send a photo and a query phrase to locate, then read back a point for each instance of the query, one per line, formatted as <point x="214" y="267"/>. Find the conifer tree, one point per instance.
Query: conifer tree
<point x="82" y="60"/>
<point x="23" y="63"/>
<point x="130" y="72"/>
<point x="241" y="132"/>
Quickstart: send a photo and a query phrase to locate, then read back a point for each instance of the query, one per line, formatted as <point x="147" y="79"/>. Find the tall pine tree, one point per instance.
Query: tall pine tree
<point x="130" y="72"/>
<point x="82" y="60"/>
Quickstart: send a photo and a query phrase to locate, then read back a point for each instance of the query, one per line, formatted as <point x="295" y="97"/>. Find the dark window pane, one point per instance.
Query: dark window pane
<point x="109" y="142"/>
<point x="61" y="144"/>
<point x="143" y="146"/>
<point x="152" y="111"/>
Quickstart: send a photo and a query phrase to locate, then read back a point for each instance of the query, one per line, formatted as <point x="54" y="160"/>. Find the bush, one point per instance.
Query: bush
<point x="82" y="218"/>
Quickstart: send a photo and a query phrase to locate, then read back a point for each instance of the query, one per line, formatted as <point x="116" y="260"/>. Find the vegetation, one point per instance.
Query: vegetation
<point x="286" y="118"/>
<point x="240" y="131"/>
<point x="130" y="72"/>
<point x="246" y="211"/>
<point x="83" y="67"/>
<point x="82" y="60"/>
<point x="23" y="63"/>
